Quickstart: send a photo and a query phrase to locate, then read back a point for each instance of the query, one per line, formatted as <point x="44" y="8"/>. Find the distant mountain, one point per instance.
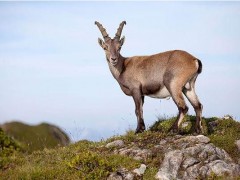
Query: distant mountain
<point x="36" y="137"/>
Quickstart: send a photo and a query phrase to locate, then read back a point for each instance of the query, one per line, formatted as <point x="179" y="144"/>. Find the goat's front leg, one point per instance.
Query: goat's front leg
<point x="138" y="99"/>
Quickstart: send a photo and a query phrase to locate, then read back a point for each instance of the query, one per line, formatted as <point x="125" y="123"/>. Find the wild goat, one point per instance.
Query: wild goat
<point x="167" y="74"/>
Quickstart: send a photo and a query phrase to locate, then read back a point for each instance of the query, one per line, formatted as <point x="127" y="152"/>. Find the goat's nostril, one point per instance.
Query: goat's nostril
<point x="114" y="59"/>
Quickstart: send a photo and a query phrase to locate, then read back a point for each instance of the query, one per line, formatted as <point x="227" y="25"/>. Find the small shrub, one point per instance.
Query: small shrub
<point x="92" y="165"/>
<point x="162" y="124"/>
<point x="150" y="173"/>
<point x="7" y="147"/>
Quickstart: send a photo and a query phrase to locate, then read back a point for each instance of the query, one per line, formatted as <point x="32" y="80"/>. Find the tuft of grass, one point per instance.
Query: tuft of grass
<point x="162" y="124"/>
<point x="150" y="173"/>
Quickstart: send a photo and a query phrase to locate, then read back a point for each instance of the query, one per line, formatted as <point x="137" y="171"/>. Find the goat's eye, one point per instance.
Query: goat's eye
<point x="119" y="49"/>
<point x="105" y="48"/>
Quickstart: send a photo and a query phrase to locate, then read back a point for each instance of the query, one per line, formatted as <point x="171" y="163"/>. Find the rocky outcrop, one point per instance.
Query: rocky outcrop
<point x="196" y="159"/>
<point x="184" y="157"/>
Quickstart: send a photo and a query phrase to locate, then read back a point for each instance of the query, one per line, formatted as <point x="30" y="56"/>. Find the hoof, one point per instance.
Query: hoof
<point x="173" y="130"/>
<point x="199" y="131"/>
<point x="140" y="130"/>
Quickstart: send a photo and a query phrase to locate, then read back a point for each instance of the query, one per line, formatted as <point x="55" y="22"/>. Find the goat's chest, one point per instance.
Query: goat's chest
<point x="126" y="90"/>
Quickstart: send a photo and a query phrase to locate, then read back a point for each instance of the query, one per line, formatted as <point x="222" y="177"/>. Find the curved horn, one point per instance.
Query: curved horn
<point x="102" y="30"/>
<point x="119" y="30"/>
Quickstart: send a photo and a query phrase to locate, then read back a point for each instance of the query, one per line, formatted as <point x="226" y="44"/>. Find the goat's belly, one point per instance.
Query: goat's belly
<point x="162" y="93"/>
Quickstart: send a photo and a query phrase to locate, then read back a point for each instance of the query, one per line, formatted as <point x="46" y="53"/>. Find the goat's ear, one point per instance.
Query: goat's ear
<point x="101" y="42"/>
<point x="122" y="40"/>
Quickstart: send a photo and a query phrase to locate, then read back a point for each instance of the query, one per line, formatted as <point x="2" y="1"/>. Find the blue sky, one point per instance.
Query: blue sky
<point x="53" y="70"/>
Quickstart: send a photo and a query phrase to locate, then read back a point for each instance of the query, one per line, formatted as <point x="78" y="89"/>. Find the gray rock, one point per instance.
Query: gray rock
<point x="185" y="124"/>
<point x="197" y="158"/>
<point x="227" y="117"/>
<point x="140" y="171"/>
<point x="202" y="139"/>
<point x="136" y="153"/>
<point x="206" y="151"/>
<point x="170" y="165"/>
<point x="129" y="176"/>
<point x="189" y="162"/>
<point x="222" y="154"/>
<point x="220" y="167"/>
<point x="237" y="142"/>
<point x="184" y="145"/>
<point x="193" y="139"/>
<point x="162" y="142"/>
<point x="203" y="171"/>
<point x="185" y="157"/>
<point x="117" y="143"/>
<point x="121" y="174"/>
<point x="192" y="172"/>
<point x="192" y="151"/>
<point x="115" y="176"/>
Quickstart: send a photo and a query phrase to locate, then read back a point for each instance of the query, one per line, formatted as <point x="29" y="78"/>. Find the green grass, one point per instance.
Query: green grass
<point x="92" y="160"/>
<point x="82" y="160"/>
<point x="225" y="135"/>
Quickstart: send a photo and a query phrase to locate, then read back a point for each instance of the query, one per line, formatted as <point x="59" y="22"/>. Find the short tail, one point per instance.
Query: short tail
<point x="199" y="66"/>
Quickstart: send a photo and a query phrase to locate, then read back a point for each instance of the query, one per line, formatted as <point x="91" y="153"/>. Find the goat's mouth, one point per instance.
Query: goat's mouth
<point x="114" y="63"/>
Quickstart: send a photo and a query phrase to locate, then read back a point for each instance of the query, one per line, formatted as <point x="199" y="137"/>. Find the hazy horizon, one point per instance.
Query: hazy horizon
<point x="53" y="70"/>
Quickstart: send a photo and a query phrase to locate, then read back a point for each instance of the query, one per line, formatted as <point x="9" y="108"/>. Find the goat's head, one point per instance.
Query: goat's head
<point x="113" y="46"/>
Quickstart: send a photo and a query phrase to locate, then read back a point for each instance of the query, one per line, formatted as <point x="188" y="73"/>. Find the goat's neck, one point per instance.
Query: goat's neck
<point x="118" y="69"/>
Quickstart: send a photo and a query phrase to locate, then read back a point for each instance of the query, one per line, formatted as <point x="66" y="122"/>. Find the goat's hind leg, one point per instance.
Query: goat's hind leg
<point x="182" y="108"/>
<point x="193" y="99"/>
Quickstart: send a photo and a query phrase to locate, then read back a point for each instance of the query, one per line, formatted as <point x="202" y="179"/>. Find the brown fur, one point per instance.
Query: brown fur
<point x="173" y="72"/>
